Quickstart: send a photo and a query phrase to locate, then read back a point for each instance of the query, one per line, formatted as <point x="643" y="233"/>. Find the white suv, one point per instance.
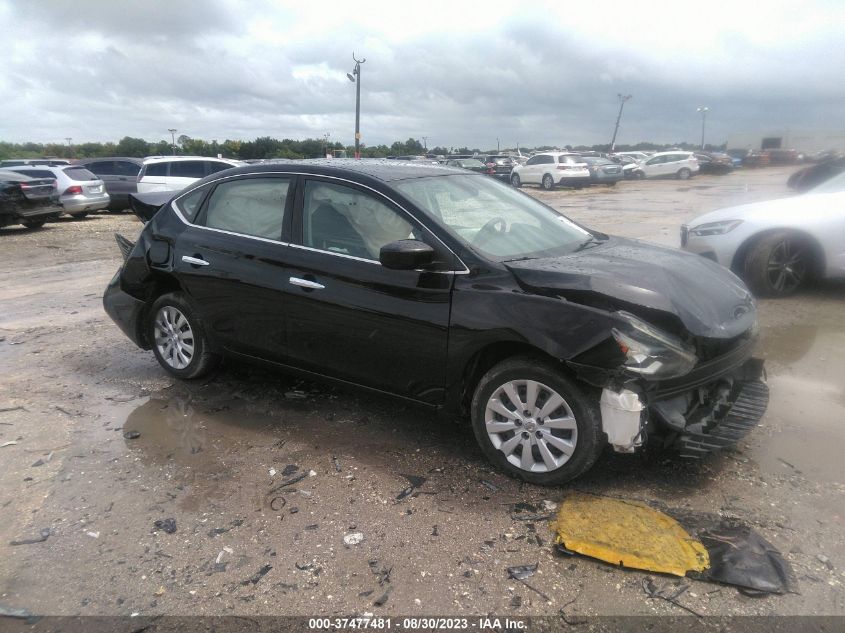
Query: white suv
<point x="552" y="168"/>
<point x="679" y="164"/>
<point x="174" y="173"/>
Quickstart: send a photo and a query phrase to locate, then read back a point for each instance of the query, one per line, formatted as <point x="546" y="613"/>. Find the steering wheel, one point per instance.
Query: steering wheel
<point x="491" y="228"/>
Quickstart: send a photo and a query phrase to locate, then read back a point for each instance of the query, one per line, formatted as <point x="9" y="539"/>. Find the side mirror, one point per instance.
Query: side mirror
<point x="406" y="255"/>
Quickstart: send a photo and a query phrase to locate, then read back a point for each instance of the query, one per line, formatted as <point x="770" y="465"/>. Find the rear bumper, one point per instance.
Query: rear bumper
<point x="83" y="204"/>
<point x="126" y="311"/>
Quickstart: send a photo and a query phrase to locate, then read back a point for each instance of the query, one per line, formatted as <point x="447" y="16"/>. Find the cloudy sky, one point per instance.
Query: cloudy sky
<point x="457" y="72"/>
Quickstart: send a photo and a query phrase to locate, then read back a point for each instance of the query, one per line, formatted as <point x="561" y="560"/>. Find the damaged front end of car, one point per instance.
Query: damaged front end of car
<point x="698" y="395"/>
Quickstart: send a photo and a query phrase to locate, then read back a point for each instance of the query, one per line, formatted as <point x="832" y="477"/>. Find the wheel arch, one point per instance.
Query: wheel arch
<point x="494" y="353"/>
<point x="819" y="264"/>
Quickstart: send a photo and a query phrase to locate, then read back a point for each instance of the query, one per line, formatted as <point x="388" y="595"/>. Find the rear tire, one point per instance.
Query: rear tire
<point x="80" y="216"/>
<point x="639" y="175"/>
<point x="778" y="264"/>
<point x="684" y="174"/>
<point x="178" y="338"/>
<point x="516" y="181"/>
<point x="548" y="445"/>
<point x="548" y="183"/>
<point x="33" y="224"/>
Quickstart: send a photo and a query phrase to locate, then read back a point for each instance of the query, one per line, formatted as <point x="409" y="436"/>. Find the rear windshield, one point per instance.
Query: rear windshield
<point x="38" y="173"/>
<point x="78" y="173"/>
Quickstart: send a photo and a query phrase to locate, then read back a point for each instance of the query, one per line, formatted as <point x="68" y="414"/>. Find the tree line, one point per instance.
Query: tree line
<point x="268" y="147"/>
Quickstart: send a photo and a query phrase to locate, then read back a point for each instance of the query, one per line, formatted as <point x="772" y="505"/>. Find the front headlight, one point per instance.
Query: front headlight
<point x="715" y="228"/>
<point x="650" y="352"/>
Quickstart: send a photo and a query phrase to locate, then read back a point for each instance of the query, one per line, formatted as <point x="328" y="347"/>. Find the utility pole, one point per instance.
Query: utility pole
<point x="703" y="110"/>
<point x="622" y="100"/>
<point x="425" y="144"/>
<point x="70" y="146"/>
<point x="355" y="77"/>
<point x="172" y="131"/>
<point x="326" y="144"/>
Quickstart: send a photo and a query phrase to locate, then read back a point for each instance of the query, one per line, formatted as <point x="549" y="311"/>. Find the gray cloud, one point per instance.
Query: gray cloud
<point x="98" y="70"/>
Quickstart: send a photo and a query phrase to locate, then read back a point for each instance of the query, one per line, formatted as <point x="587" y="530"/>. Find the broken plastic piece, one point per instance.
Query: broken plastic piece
<point x="740" y="556"/>
<point x="621" y="419"/>
<point x="521" y="572"/>
<point x="627" y="533"/>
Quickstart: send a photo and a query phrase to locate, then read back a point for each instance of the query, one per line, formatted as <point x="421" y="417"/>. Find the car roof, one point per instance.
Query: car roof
<point x="131" y="159"/>
<point x="671" y="151"/>
<point x="167" y="159"/>
<point x="374" y="168"/>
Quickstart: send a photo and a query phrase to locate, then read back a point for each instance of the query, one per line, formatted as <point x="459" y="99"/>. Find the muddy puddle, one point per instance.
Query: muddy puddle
<point x="807" y="406"/>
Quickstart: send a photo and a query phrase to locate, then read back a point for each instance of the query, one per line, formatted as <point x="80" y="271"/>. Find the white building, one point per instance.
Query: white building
<point x="804" y="141"/>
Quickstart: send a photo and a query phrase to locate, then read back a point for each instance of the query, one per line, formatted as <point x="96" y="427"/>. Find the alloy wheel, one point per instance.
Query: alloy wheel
<point x="174" y="337"/>
<point x="532" y="425"/>
<point x="787" y="266"/>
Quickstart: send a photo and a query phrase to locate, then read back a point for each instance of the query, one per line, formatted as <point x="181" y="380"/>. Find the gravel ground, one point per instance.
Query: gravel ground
<point x="220" y="458"/>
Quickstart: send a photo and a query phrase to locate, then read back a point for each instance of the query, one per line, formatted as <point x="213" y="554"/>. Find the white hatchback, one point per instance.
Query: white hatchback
<point x="174" y="173"/>
<point x="551" y="169"/>
<point x="681" y="165"/>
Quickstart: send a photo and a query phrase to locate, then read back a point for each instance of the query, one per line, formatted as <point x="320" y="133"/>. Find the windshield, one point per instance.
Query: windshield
<point x="832" y="185"/>
<point x="492" y="218"/>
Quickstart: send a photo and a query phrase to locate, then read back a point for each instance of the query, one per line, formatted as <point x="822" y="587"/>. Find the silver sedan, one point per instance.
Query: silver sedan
<point x="776" y="246"/>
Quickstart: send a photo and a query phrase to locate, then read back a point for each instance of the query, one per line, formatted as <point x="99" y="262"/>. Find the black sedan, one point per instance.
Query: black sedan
<point x="453" y="291"/>
<point x="27" y="201"/>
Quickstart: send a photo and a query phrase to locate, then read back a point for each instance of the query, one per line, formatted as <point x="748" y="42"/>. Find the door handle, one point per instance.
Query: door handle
<point x="305" y="283"/>
<point x="194" y="261"/>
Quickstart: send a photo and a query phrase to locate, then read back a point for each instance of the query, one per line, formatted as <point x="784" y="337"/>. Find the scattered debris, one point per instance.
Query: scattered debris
<point x="257" y="576"/>
<point x="627" y="533"/>
<point x="434" y="531"/>
<point x="549" y="505"/>
<point x="289" y="469"/>
<point x="527" y="512"/>
<point x="740" y="556"/>
<point x="166" y="525"/>
<point x="296" y="394"/>
<point x="336" y="464"/>
<point x="521" y="572"/>
<point x="93" y="534"/>
<point x="7" y="409"/>
<point x="669" y="592"/>
<point x="489" y="485"/>
<point x="824" y="560"/>
<point x="380" y="602"/>
<point x="4" y="444"/>
<point x="43" y="536"/>
<point x="516" y="601"/>
<point x="353" y="538"/>
<point x="37" y="463"/>
<point x="414" y="482"/>
<point x="132" y="435"/>
<point x="312" y="473"/>
<point x="272" y="472"/>
<point x="12" y="612"/>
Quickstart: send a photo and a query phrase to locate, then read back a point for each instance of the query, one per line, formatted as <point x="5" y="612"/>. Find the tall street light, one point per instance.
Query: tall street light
<point x="703" y="110"/>
<point x="172" y="131"/>
<point x="355" y="77"/>
<point x="622" y="100"/>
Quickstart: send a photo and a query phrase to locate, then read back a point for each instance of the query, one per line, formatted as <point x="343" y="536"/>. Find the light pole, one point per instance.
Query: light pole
<point x="425" y="144"/>
<point x="70" y="146"/>
<point x="326" y="144"/>
<point x="703" y="110"/>
<point x="497" y="145"/>
<point x="622" y="100"/>
<point x="172" y="131"/>
<point x="355" y="77"/>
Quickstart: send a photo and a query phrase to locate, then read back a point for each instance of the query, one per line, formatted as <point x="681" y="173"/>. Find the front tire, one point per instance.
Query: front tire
<point x="778" y="264"/>
<point x="516" y="181"/>
<point x="535" y="423"/>
<point x="178" y="338"/>
<point x="548" y="182"/>
<point x="33" y="224"/>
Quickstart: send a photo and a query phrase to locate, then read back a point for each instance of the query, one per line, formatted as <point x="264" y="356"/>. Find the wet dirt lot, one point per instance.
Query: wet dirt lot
<point x="266" y="474"/>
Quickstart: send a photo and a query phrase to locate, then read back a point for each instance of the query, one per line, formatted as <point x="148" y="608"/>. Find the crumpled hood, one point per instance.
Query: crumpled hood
<point x="708" y="299"/>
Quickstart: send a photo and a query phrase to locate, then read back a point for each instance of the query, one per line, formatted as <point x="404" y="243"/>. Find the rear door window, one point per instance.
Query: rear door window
<point x="79" y="174"/>
<point x="214" y="166"/>
<point x="187" y="169"/>
<point x="126" y="168"/>
<point x="251" y="206"/>
<point x="156" y="169"/>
